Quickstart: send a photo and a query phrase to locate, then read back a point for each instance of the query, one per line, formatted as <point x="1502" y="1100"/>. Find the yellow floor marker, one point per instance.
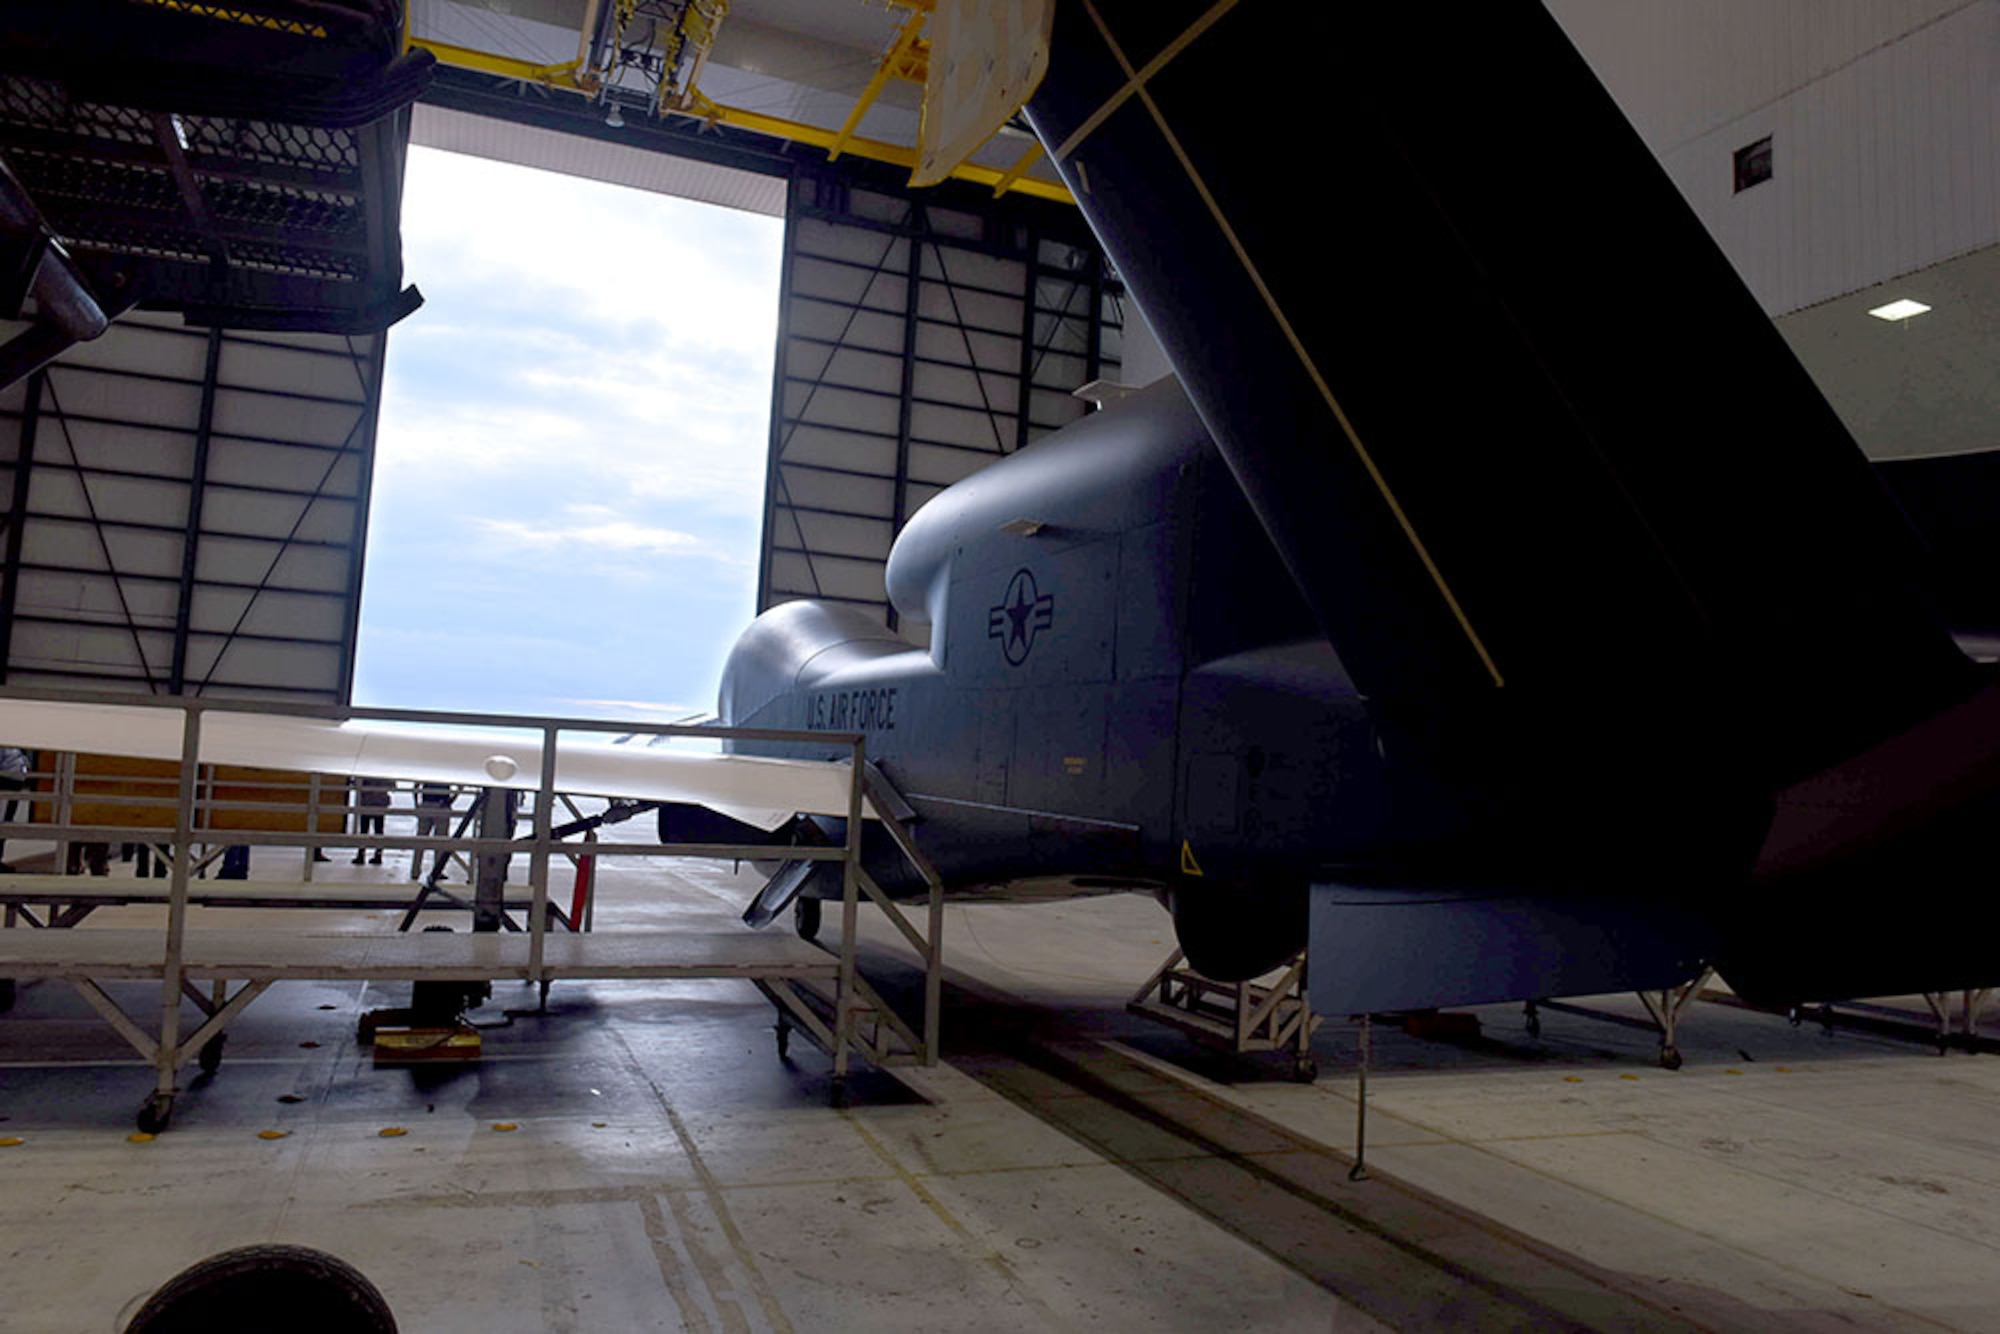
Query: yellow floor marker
<point x="140" y="1137"/>
<point x="272" y="1134"/>
<point x="10" y="1141"/>
<point x="505" y="1125"/>
<point x="391" y="1132"/>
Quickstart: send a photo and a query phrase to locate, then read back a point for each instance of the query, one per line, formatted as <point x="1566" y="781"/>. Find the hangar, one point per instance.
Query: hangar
<point x="201" y="205"/>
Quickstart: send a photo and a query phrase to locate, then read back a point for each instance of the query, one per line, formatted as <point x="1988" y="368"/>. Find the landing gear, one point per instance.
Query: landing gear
<point x="805" y="918"/>
<point x="209" y="1058"/>
<point x="155" y="1112"/>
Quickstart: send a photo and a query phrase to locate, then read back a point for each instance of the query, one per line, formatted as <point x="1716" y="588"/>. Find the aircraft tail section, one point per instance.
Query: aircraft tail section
<point x="1554" y="486"/>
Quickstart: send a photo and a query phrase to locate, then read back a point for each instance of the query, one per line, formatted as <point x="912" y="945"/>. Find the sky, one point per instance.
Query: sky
<point x="569" y="466"/>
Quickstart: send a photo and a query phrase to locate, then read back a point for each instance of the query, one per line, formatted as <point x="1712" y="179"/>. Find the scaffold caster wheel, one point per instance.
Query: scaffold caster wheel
<point x="1670" y="1058"/>
<point x="542" y="1006"/>
<point x="784" y="1041"/>
<point x="805" y="918"/>
<point x="6" y="993"/>
<point x="1534" y="1022"/>
<point x="1796" y="1016"/>
<point x="209" y="1058"/>
<point x="1305" y="1070"/>
<point x="155" y="1112"/>
<point x="838" y="1097"/>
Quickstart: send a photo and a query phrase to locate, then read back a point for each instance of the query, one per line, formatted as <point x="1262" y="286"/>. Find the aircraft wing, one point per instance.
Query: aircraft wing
<point x="759" y="791"/>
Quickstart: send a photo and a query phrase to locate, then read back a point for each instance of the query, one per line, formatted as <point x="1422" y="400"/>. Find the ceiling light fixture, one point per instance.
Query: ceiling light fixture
<point x="1899" y="310"/>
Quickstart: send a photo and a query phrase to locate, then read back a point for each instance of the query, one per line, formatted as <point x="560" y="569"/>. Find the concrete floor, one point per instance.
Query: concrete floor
<point x="1068" y="1166"/>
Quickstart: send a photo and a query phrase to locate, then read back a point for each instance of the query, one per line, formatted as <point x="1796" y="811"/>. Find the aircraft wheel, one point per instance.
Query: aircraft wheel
<point x="210" y="1056"/>
<point x="155" y="1112"/>
<point x="806" y="917"/>
<point x="319" y="1294"/>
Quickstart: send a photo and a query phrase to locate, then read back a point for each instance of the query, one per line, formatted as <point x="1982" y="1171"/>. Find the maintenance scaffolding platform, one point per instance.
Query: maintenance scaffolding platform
<point x="815" y="989"/>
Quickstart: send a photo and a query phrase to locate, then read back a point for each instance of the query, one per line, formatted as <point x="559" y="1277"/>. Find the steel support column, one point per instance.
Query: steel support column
<point x="17" y="516"/>
<point x="775" y="450"/>
<point x="1031" y="289"/>
<point x="364" y="489"/>
<point x="912" y="293"/>
<point x="197" y="493"/>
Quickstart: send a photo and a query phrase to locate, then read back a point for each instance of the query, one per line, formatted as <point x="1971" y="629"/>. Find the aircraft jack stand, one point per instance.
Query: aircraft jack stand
<point x="1663" y="1006"/>
<point x="1972" y="1002"/>
<point x="1240" y="1017"/>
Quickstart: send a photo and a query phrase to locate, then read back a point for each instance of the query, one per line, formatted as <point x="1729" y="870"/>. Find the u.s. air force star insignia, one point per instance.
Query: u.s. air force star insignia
<point x="1023" y="613"/>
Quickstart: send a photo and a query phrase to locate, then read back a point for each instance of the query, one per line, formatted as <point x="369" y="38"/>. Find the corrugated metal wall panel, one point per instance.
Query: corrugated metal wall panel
<point x="192" y="515"/>
<point x="886" y="394"/>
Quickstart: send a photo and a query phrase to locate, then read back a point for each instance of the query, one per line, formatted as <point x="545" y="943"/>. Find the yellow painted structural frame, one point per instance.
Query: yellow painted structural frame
<point x="565" y="77"/>
<point x="891" y="66"/>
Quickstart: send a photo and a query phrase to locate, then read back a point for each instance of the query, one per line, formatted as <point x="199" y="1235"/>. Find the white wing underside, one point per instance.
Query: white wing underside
<point x="757" y="791"/>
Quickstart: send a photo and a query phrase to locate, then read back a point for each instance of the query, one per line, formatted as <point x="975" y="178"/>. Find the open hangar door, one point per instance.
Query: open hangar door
<point x="187" y="510"/>
<point x="923" y="335"/>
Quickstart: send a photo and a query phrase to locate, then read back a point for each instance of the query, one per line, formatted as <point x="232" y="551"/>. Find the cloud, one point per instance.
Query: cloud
<point x="605" y="529"/>
<point x="667" y="713"/>
<point x="571" y="446"/>
<point x="622" y="259"/>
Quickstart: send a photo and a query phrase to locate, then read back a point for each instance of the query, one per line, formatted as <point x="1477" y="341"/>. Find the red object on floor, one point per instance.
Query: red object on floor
<point x="586" y="879"/>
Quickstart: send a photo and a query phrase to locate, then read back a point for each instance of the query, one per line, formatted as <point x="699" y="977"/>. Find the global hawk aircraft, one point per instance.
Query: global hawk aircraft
<point x="1501" y="604"/>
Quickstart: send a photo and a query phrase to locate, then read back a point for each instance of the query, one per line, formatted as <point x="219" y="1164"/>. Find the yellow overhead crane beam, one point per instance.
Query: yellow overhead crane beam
<point x="900" y="155"/>
<point x="903" y="58"/>
<point x="908" y="59"/>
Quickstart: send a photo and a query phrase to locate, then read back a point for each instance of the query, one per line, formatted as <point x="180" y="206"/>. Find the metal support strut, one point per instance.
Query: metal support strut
<point x="1241" y="1017"/>
<point x="1359" y="1172"/>
<point x="1663" y="1010"/>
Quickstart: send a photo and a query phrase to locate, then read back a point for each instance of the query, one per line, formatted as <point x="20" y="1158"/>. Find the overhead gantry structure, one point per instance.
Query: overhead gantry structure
<point x="650" y="58"/>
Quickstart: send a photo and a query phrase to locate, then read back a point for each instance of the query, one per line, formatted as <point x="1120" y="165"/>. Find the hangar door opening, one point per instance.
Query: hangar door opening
<point x="570" y="463"/>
